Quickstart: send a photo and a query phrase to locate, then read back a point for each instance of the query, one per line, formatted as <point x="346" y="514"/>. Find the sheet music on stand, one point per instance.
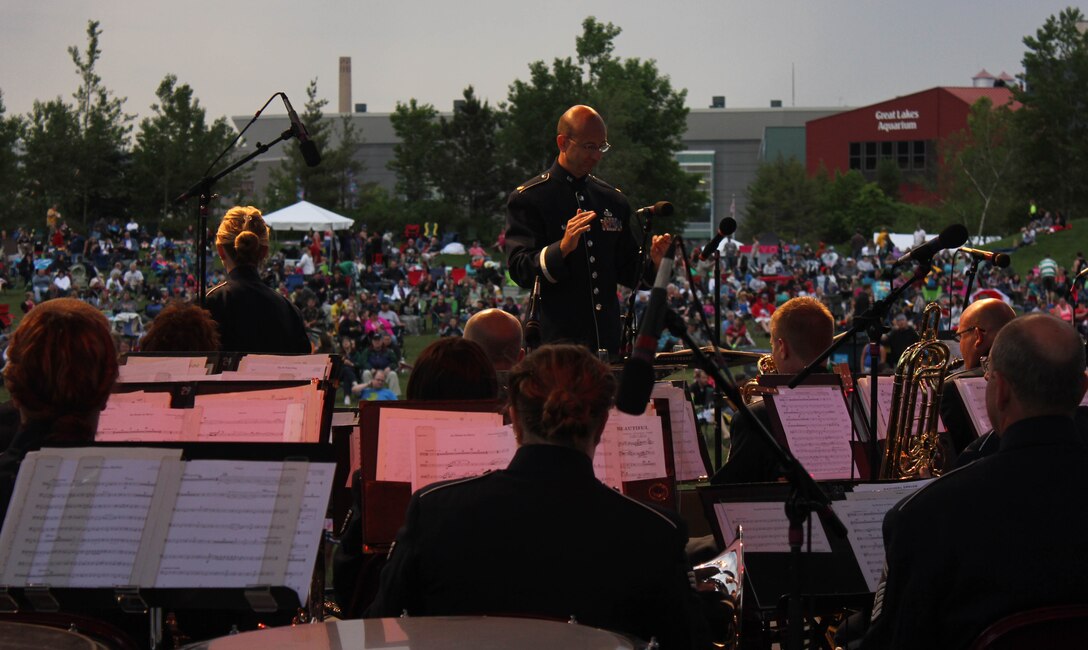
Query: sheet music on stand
<point x="248" y="398"/>
<point x="814" y="422"/>
<point x="841" y="570"/>
<point x="973" y="393"/>
<point x="690" y="455"/>
<point x="100" y="518"/>
<point x="141" y="368"/>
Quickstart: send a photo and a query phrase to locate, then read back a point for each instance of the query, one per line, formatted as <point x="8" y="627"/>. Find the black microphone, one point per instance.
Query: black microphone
<point x="953" y="236"/>
<point x="307" y="146"/>
<point x="1000" y="260"/>
<point x="726" y="227"/>
<point x="532" y="322"/>
<point x="637" y="380"/>
<point x="659" y="209"/>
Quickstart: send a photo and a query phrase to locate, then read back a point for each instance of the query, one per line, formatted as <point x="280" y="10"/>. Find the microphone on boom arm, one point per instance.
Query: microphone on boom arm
<point x="307" y="146"/>
<point x="726" y="227"/>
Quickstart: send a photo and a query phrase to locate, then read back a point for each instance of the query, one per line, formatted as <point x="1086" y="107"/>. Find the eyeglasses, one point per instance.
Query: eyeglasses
<point x="959" y="334"/>
<point x="590" y="147"/>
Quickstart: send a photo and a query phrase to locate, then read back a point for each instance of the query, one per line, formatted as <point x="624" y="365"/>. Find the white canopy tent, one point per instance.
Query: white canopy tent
<point x="306" y="216"/>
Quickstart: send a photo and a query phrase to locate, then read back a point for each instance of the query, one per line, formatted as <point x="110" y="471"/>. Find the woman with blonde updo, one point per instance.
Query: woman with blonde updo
<point x="251" y="316"/>
<point x="538" y="537"/>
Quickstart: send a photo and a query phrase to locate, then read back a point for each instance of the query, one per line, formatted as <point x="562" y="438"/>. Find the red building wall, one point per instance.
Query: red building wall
<point x="929" y="115"/>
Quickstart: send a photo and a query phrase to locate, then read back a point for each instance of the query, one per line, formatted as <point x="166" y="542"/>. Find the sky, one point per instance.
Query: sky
<point x="235" y="54"/>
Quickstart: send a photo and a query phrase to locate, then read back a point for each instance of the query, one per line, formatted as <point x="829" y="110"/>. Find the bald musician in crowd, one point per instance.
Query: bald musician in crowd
<point x="978" y="328"/>
<point x="572" y="231"/>
<point x="801" y="329"/>
<point x="1004" y="534"/>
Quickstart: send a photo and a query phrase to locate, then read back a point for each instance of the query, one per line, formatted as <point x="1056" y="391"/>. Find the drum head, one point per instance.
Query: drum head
<point x="429" y="633"/>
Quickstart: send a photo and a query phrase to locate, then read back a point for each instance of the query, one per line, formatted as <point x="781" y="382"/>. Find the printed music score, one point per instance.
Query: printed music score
<point x="280" y="368"/>
<point x="291" y="414"/>
<point x="885" y="388"/>
<point x="973" y="392"/>
<point x="817" y="428"/>
<point x="397" y="438"/>
<point x="98" y="518"/>
<point x="162" y="369"/>
<point x="766" y="528"/>
<point x="863" y="513"/>
<point x="632" y="448"/>
<point x="687" y="459"/>
<point x="460" y="452"/>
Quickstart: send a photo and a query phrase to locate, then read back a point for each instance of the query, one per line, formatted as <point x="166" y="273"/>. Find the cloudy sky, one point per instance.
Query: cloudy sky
<point x="236" y="54"/>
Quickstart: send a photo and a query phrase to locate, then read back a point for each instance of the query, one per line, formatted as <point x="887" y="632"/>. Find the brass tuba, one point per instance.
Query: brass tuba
<point x="913" y="448"/>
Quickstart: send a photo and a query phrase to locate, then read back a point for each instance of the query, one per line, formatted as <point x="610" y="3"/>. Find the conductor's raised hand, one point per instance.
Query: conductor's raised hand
<point x="577" y="225"/>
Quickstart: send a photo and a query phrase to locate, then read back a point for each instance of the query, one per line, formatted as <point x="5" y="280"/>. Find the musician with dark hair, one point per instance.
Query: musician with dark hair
<point x="1001" y="535"/>
<point x="61" y="366"/>
<point x="465" y="542"/>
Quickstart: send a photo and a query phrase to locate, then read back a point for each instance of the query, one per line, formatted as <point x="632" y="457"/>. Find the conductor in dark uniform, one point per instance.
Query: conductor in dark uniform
<point x="572" y="230"/>
<point x="250" y="315"/>
<point x="1004" y="534"/>
<point x="544" y="537"/>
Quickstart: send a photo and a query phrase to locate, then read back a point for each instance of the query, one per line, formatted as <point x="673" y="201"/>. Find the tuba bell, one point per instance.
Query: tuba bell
<point x="913" y="447"/>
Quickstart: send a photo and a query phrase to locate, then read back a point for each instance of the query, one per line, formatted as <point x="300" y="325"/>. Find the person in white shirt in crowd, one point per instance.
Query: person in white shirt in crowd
<point x="306" y="263"/>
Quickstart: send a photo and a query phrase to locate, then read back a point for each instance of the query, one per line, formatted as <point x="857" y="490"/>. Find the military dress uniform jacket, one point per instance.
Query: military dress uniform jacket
<point x="542" y="537"/>
<point x="578" y="292"/>
<point x="1002" y="535"/>
<point x="751" y="458"/>
<point x="254" y="318"/>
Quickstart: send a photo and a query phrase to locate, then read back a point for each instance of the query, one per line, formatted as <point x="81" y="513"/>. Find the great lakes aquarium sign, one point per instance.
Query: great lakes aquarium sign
<point x="896" y="120"/>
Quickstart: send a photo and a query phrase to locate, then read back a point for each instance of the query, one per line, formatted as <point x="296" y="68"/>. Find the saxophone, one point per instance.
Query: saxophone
<point x="913" y="448"/>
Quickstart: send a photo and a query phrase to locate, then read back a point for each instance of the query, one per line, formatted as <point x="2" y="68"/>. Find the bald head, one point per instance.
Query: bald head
<point x="576" y="119"/>
<point x="580" y="134"/>
<point x="499" y="334"/>
<point x="978" y="328"/>
<point x="1039" y="361"/>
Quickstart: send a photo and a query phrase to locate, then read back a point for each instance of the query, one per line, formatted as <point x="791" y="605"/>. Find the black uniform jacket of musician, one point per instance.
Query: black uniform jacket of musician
<point x="542" y="537"/>
<point x="578" y="292"/>
<point x="254" y="318"/>
<point x="1004" y="534"/>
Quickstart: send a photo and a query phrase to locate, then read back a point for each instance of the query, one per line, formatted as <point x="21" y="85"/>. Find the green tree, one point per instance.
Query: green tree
<point x="888" y="178"/>
<point x="173" y="149"/>
<point x="646" y="119"/>
<point x="10" y="172"/>
<point x="48" y="163"/>
<point x="418" y="129"/>
<point x="101" y="149"/>
<point x="978" y="165"/>
<point x="783" y="199"/>
<point x="1053" y="122"/>
<point x="469" y="171"/>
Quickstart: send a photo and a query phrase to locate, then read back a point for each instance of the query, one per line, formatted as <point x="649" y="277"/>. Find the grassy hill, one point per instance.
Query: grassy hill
<point x="1061" y="246"/>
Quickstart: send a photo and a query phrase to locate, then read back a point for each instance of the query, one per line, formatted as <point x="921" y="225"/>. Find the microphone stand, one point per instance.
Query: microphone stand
<point x="970" y="273"/>
<point x="873" y="322"/>
<point x="629" y="328"/>
<point x="717" y="341"/>
<point x="805" y="498"/>
<point x="203" y="190"/>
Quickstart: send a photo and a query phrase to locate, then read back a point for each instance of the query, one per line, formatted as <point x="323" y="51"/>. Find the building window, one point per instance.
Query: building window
<point x="908" y="155"/>
<point x="919" y="155"/>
